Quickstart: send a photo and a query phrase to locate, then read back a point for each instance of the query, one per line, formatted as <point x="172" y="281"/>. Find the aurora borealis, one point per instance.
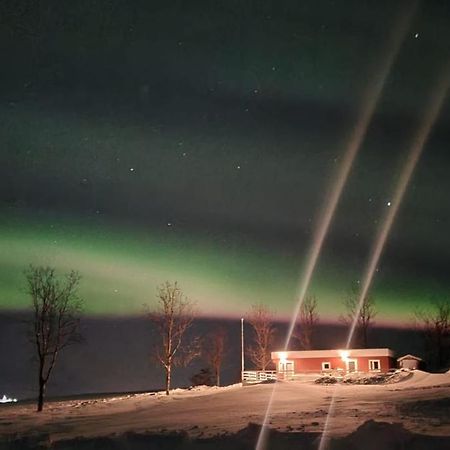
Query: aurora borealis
<point x="151" y="142"/>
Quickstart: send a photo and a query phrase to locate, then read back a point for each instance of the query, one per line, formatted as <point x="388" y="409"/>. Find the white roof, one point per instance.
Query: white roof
<point x="408" y="356"/>
<point x="333" y="353"/>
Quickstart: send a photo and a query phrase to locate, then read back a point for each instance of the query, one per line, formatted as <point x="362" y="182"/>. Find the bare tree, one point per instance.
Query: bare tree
<point x="365" y="313"/>
<point x="261" y="319"/>
<point x="214" y="351"/>
<point x="307" y="321"/>
<point x="435" y="326"/>
<point x="172" y="318"/>
<point x="56" y="318"/>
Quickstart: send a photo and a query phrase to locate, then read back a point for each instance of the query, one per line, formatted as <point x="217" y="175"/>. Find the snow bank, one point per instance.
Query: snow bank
<point x="371" y="435"/>
<point x="423" y="380"/>
<point x="201" y="389"/>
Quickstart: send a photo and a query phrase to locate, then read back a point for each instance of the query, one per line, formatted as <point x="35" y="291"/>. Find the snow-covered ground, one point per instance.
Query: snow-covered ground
<point x="420" y="402"/>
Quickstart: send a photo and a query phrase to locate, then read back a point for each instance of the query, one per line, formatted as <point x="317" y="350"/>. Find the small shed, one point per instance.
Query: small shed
<point x="409" y="362"/>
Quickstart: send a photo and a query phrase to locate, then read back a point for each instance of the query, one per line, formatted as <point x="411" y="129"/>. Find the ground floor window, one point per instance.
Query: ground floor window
<point x="286" y="367"/>
<point x="326" y="366"/>
<point x="352" y="365"/>
<point x="374" y="364"/>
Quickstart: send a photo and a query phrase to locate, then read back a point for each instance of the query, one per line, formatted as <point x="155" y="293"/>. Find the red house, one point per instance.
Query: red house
<point x="345" y="361"/>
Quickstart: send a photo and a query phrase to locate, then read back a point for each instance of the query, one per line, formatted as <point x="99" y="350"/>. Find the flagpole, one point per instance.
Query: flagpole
<point x="242" y="350"/>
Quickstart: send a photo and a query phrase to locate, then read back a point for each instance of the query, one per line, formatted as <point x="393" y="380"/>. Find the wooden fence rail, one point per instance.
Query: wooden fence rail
<point x="256" y="376"/>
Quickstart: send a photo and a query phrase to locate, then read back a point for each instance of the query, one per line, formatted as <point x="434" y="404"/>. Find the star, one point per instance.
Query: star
<point x="238" y="167"/>
<point x="169" y="224"/>
<point x="388" y="203"/>
<point x="416" y="35"/>
<point x="131" y="169"/>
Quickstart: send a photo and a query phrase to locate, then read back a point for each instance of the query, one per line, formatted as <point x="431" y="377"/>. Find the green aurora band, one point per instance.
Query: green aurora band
<point x="121" y="268"/>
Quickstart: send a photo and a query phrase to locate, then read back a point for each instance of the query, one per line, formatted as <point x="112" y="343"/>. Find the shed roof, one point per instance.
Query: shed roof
<point x="409" y="357"/>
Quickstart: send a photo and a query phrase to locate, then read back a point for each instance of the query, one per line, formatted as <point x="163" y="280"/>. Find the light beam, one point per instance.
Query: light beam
<point x="369" y="102"/>
<point x="418" y="143"/>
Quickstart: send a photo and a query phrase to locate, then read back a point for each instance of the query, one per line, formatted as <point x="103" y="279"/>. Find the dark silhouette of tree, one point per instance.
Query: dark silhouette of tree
<point x="56" y="318"/>
<point x="306" y="322"/>
<point x="365" y="314"/>
<point x="261" y="320"/>
<point x="214" y="351"/>
<point x="204" y="377"/>
<point x="434" y="324"/>
<point x="172" y="318"/>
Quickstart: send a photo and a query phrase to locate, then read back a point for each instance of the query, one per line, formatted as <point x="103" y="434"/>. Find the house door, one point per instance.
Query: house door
<point x="286" y="368"/>
<point x="352" y="365"/>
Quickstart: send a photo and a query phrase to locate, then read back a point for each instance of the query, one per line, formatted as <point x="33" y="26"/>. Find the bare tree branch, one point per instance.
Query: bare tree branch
<point x="306" y="322"/>
<point x="366" y="314"/>
<point x="261" y="319"/>
<point x="434" y="323"/>
<point x="56" y="318"/>
<point x="172" y="318"/>
<point x="214" y="350"/>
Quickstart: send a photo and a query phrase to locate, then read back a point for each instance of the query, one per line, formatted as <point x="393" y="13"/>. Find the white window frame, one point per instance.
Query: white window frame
<point x="371" y="368"/>
<point x="326" y="368"/>
<point x="347" y="364"/>
<point x="286" y="367"/>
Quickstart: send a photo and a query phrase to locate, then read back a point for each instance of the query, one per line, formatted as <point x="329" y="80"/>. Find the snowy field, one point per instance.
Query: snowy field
<point x="420" y="402"/>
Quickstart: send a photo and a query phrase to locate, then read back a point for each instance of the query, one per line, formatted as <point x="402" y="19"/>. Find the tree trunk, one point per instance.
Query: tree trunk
<point x="42" y="385"/>
<point x="306" y="340"/>
<point x="440" y="353"/>
<point x="168" y="374"/>
<point x="217" y="376"/>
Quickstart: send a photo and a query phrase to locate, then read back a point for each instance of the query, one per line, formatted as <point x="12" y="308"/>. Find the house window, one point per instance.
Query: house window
<point x="326" y="366"/>
<point x="374" y="365"/>
<point x="352" y="365"/>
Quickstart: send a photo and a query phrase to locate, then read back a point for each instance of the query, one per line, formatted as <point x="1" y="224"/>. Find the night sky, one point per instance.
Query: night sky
<point x="160" y="140"/>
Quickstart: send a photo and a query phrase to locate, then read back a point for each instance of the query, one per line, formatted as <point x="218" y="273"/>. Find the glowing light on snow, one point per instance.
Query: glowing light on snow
<point x="344" y="355"/>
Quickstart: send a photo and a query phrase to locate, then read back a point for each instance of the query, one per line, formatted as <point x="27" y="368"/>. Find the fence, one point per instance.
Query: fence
<point x="256" y="376"/>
